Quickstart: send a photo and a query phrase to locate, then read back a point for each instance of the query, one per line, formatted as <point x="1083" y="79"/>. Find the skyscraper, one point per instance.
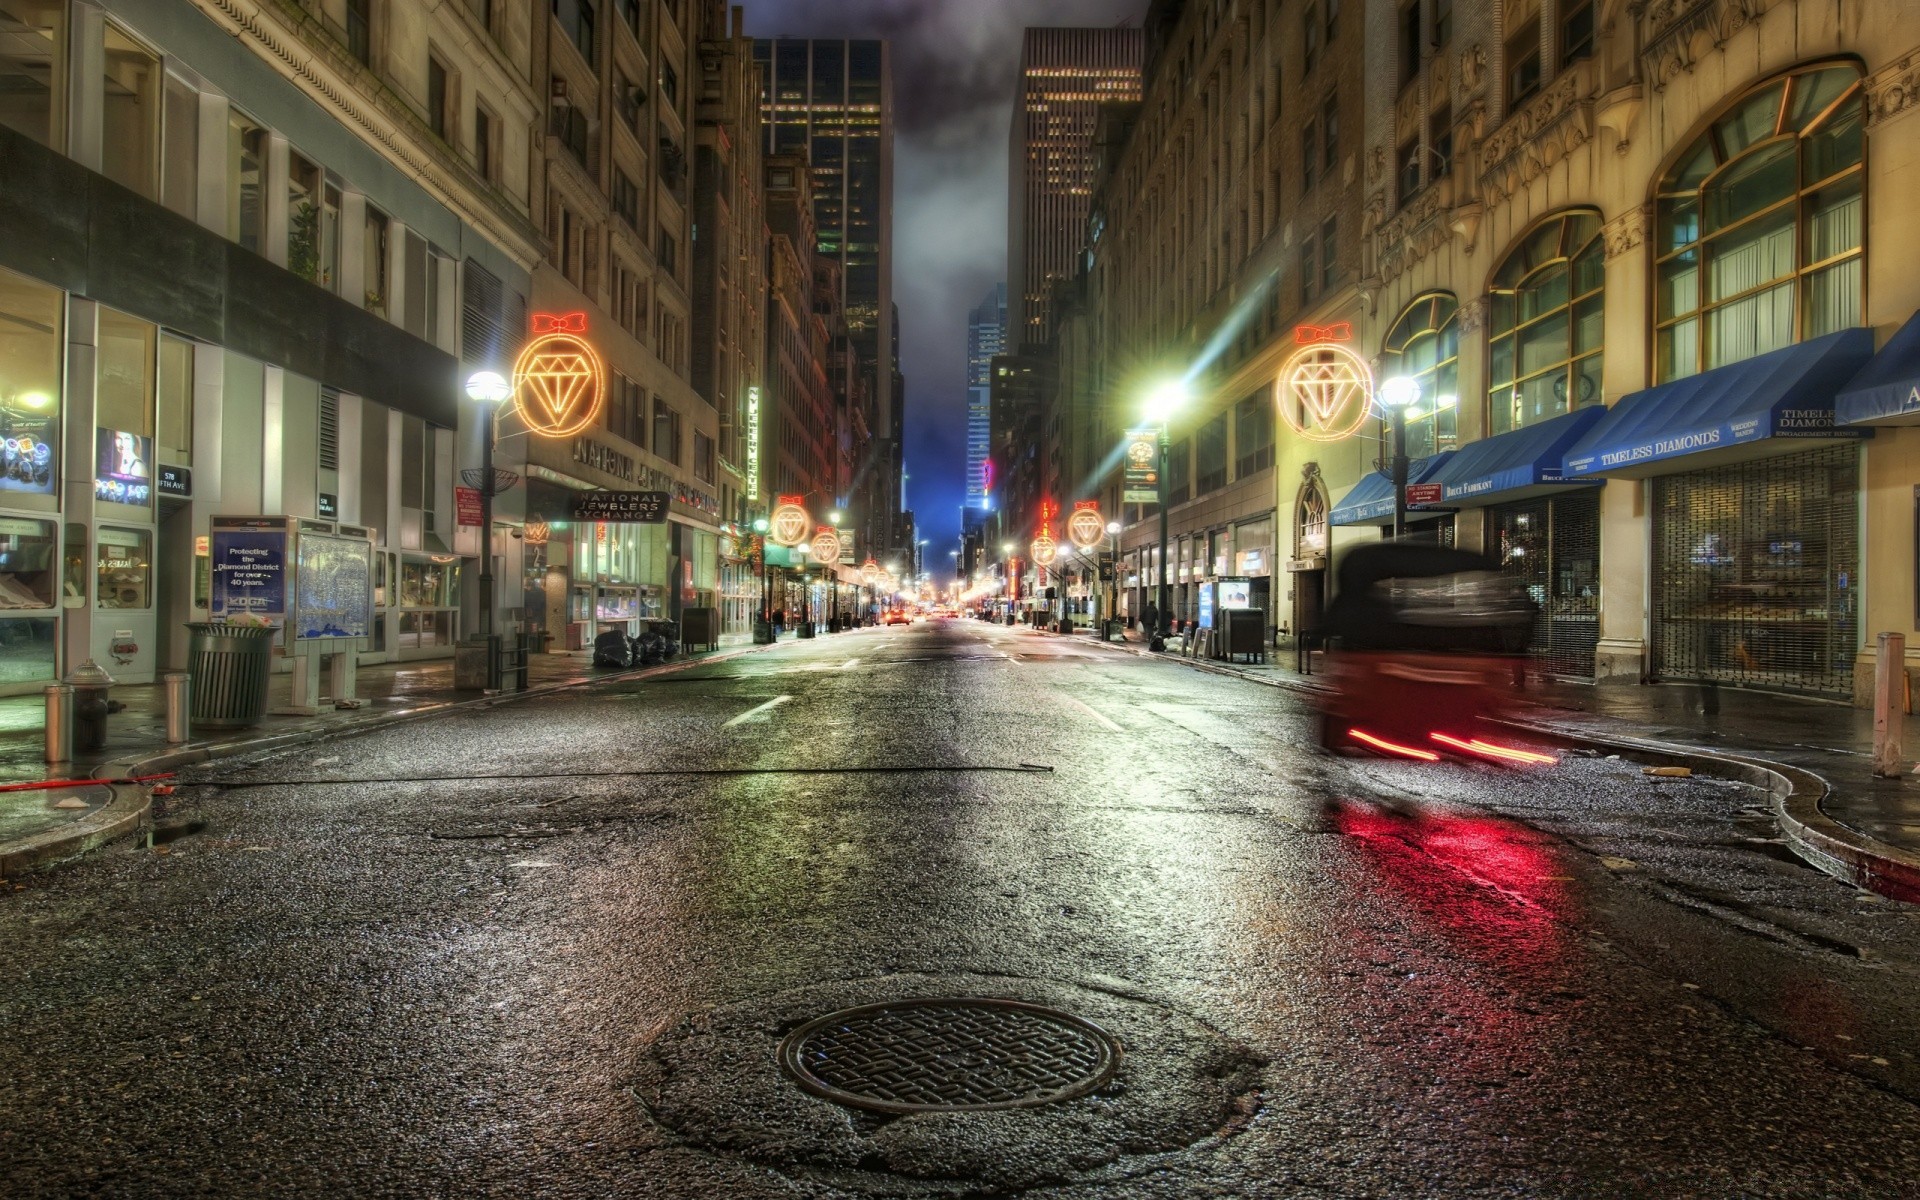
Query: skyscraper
<point x="986" y="337"/>
<point x="832" y="100"/>
<point x="1065" y="76"/>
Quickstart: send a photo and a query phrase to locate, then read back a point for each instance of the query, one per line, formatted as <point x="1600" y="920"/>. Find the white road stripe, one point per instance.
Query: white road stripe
<point x="756" y="713"/>
<point x="1089" y="710"/>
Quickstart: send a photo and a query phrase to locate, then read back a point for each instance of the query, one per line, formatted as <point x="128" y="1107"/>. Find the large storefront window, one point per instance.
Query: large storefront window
<point x="1545" y="328"/>
<point x="29" y="583"/>
<point x="1424" y="345"/>
<point x="30" y="353"/>
<point x="429" y="603"/>
<point x="1552" y="546"/>
<point x="30" y="37"/>
<point x="130" y="115"/>
<point x="1760" y="225"/>
<point x="1757" y="572"/>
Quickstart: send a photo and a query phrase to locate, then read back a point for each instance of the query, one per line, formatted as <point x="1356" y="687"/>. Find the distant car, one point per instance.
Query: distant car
<point x="897" y="617"/>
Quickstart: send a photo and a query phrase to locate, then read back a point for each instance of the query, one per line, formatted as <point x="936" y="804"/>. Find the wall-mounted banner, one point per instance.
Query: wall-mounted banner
<point x="467" y="506"/>
<point x="644" y="508"/>
<point x="753" y="444"/>
<point x="125" y="474"/>
<point x="558" y="382"/>
<point x="1142" y="482"/>
<point x="249" y="567"/>
<point x="1324" y="391"/>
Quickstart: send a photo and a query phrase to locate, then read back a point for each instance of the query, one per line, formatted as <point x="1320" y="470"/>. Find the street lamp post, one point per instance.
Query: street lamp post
<point x="490" y="389"/>
<point x="1397" y="395"/>
<point x="1113" y="562"/>
<point x="1161" y="405"/>
<point x="834" y="574"/>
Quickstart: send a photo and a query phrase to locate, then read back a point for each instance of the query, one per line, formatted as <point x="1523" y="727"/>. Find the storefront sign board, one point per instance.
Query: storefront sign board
<point x="647" y="508"/>
<point x="174" y="481"/>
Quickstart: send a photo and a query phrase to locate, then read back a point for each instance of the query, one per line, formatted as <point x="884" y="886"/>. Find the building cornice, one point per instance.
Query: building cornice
<point x="309" y="58"/>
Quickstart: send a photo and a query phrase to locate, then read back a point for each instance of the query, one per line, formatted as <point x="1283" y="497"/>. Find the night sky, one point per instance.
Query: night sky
<point x="954" y="63"/>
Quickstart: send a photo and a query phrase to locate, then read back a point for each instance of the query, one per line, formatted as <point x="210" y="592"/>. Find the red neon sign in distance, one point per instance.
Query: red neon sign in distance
<point x="575" y="322"/>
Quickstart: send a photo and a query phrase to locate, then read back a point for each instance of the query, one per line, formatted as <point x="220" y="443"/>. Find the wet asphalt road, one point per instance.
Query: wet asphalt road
<point x="1331" y="977"/>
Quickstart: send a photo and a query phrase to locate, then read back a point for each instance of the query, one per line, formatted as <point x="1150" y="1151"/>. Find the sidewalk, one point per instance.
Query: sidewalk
<point x="389" y="691"/>
<point x="1832" y="741"/>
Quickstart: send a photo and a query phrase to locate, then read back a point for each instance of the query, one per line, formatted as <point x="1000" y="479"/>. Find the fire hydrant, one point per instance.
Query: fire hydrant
<point x="91" y="684"/>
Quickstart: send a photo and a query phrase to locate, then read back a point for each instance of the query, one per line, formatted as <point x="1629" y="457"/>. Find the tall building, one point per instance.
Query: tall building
<point x="1065" y="76"/>
<point x="986" y="337"/>
<point x="832" y="101"/>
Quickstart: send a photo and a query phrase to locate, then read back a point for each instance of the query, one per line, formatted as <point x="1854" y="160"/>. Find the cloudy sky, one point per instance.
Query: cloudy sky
<point x="954" y="63"/>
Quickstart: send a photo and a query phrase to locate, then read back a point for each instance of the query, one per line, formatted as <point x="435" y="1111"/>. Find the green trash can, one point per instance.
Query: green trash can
<point x="230" y="666"/>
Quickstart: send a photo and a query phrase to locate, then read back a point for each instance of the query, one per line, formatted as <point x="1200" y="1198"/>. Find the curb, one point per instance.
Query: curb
<point x="126" y="812"/>
<point x="1793" y="793"/>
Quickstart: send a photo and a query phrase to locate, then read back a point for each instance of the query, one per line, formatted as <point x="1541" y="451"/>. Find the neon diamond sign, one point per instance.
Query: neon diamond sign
<point x="558" y="382"/>
<point x="1324" y="391"/>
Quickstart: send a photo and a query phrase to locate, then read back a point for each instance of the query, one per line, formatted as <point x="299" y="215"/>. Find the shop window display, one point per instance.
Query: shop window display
<point x="123" y="569"/>
<point x="29" y="384"/>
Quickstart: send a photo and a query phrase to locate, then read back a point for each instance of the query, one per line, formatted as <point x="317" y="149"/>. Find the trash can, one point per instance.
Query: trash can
<point x="91" y="684"/>
<point x="229" y="665"/>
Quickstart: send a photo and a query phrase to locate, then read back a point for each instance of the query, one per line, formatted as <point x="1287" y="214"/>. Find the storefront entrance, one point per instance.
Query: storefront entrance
<point x="1553" y="547"/>
<point x="1757" y="573"/>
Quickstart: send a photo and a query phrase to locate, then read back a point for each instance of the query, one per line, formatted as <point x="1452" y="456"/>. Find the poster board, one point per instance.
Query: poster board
<point x="333" y="593"/>
<point x="249" y="568"/>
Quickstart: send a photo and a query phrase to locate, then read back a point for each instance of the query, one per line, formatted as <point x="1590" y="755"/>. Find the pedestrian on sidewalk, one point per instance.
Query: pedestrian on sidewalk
<point x="1150" y="621"/>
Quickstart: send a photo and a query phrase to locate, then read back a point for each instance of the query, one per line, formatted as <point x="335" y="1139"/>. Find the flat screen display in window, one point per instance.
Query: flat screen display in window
<point x="26" y="447"/>
<point x="125" y="473"/>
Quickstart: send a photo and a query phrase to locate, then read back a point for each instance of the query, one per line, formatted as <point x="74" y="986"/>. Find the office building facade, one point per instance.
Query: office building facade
<point x="986" y="337"/>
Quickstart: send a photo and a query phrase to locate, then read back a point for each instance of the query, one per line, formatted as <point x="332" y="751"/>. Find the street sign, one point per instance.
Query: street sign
<point x="466" y="506"/>
<point x="1425" y="493"/>
<point x="646" y="508"/>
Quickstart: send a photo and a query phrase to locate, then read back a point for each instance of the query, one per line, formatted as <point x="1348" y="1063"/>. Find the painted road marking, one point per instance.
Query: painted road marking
<point x="758" y="711"/>
<point x="1089" y="710"/>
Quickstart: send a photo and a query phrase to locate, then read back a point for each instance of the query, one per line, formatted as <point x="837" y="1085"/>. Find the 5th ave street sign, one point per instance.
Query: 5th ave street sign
<point x="646" y="508"/>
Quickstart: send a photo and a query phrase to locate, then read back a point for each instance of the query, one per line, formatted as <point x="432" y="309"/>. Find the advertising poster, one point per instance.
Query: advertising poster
<point x="1142" y="483"/>
<point x="26" y="452"/>
<point x="1236" y="593"/>
<point x="334" y="593"/>
<point x="467" y="506"/>
<point x="249" y="568"/>
<point x="1206" y="606"/>
<point x="125" y="470"/>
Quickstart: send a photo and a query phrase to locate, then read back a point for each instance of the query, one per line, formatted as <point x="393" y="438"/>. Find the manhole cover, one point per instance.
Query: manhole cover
<point x="948" y="1055"/>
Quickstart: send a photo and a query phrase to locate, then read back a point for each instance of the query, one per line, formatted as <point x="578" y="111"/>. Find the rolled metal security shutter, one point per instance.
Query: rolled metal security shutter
<point x="1757" y="572"/>
<point x="1552" y="546"/>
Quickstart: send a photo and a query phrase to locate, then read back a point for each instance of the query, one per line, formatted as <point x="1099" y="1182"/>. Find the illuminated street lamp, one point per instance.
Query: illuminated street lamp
<point x="1165" y="400"/>
<point x="491" y="389"/>
<point x="1397" y="395"/>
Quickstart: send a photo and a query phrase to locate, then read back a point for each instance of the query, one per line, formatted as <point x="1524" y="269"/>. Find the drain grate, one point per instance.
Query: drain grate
<point x="949" y="1055"/>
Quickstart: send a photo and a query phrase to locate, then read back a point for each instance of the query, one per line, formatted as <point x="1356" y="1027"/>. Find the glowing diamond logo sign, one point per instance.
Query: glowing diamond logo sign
<point x="1084" y="527"/>
<point x="826" y="546"/>
<point x="1324" y="391"/>
<point x="558" y="382"/>
<point x="790" y="522"/>
<point x="1044" y="549"/>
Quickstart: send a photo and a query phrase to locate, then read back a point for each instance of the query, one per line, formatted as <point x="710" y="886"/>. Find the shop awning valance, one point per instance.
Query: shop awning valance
<point x="1726" y="414"/>
<point x="1370" y="502"/>
<point x="1888" y="387"/>
<point x="1517" y="465"/>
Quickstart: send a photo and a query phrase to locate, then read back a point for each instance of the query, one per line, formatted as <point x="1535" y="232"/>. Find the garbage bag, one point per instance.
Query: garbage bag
<point x="613" y="648"/>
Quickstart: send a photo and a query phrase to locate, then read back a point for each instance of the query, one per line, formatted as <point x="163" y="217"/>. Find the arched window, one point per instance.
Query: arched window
<point x="1310" y="520"/>
<point x="1424" y="345"/>
<point x="1543" y="349"/>
<point x="1760" y="225"/>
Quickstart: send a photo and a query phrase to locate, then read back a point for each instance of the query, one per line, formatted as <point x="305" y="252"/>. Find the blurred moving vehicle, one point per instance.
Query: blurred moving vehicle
<point x="897" y="616"/>
<point x="1425" y="646"/>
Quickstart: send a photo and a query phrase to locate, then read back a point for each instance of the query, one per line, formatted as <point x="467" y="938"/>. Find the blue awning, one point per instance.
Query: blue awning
<point x="1889" y="386"/>
<point x="1785" y="393"/>
<point x="1370" y="502"/>
<point x="1513" y="466"/>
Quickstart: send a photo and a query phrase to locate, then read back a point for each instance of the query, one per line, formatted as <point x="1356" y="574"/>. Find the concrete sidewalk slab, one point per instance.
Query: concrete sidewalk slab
<point x="36" y="831"/>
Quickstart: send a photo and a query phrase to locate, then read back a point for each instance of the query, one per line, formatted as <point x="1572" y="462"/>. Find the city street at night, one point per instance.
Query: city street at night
<point x="551" y="948"/>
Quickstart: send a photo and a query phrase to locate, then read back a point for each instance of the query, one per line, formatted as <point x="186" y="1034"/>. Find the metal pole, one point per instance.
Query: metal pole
<point x="1166" y="587"/>
<point x="178" y="706"/>
<point x="1889" y="701"/>
<point x="486" y="526"/>
<point x="1399" y="472"/>
<point x="59" y="722"/>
